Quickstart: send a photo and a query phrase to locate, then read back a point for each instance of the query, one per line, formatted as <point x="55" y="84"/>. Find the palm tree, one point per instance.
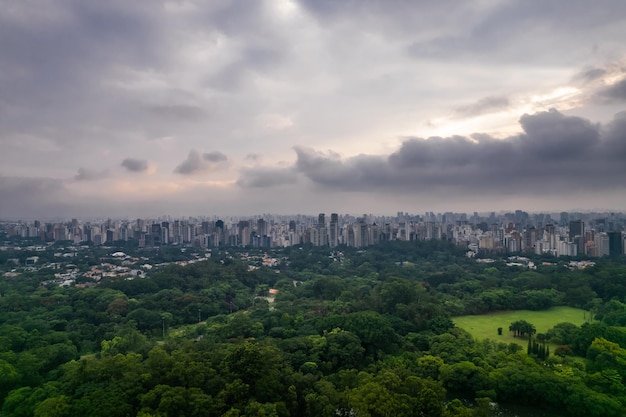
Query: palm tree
<point x="515" y="327"/>
<point x="522" y="328"/>
<point x="527" y="329"/>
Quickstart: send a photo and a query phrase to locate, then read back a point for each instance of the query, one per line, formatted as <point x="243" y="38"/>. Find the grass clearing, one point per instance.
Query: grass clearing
<point x="485" y="326"/>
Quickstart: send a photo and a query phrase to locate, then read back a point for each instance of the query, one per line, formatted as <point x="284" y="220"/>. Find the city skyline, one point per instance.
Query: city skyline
<point x="294" y="106"/>
<point x="571" y="234"/>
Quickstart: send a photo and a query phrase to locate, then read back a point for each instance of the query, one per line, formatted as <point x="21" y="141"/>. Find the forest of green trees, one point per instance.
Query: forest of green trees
<point x="368" y="333"/>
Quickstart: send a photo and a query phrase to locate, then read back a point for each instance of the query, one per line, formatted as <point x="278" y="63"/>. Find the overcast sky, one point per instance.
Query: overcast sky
<point x="202" y="107"/>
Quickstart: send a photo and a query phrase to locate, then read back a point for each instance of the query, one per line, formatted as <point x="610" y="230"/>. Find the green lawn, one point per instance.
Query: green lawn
<point x="485" y="326"/>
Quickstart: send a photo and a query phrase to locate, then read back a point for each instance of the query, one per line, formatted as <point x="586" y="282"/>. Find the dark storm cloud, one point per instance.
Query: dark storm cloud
<point x="135" y="165"/>
<point x="326" y="169"/>
<point x="85" y="174"/>
<point x="266" y="177"/>
<point x="614" y="136"/>
<point x="554" y="154"/>
<point x="615" y="91"/>
<point x="215" y="157"/>
<point x="552" y="136"/>
<point x="482" y="106"/>
<point x="196" y="163"/>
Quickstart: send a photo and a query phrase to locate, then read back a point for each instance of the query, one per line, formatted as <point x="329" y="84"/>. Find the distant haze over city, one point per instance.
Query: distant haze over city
<point x="198" y="108"/>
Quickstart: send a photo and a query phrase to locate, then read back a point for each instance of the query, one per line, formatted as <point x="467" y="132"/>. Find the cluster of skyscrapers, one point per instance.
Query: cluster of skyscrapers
<point x="589" y="234"/>
<point x="573" y="240"/>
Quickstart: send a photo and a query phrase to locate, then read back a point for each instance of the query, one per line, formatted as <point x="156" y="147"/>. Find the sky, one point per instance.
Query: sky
<point x="202" y="107"/>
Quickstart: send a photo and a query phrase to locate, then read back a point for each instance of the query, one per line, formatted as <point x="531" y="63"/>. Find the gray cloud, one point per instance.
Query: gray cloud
<point x="555" y="154"/>
<point x="191" y="165"/>
<point x="590" y="74"/>
<point x="552" y="136"/>
<point x="135" y="165"/>
<point x="85" y="174"/>
<point x="53" y="53"/>
<point x="327" y="169"/>
<point x="252" y="60"/>
<point x="482" y="106"/>
<point x="263" y="46"/>
<point x="614" y="136"/>
<point x="615" y="91"/>
<point x="177" y="112"/>
<point x="267" y="177"/>
<point x="215" y="157"/>
<point x="196" y="163"/>
<point x="387" y="16"/>
<point x="518" y="31"/>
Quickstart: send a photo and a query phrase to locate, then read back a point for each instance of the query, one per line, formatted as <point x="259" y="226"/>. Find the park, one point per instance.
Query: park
<point x="485" y="326"/>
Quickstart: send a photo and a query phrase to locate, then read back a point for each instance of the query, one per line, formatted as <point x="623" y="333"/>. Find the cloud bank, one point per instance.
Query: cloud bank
<point x="554" y="154"/>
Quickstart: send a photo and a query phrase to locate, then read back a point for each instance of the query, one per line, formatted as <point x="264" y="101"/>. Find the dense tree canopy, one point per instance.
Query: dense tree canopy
<point x="368" y="333"/>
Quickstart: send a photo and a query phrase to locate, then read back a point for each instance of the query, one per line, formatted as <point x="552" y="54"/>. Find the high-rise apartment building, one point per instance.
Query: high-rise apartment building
<point x="243" y="232"/>
<point x="261" y="227"/>
<point x="321" y="220"/>
<point x="550" y="236"/>
<point x="333" y="235"/>
<point x="322" y="231"/>
<point x="165" y="233"/>
<point x="529" y="239"/>
<point x="602" y="244"/>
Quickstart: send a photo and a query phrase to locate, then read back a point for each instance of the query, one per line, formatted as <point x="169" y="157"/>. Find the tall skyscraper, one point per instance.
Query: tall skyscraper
<point x="576" y="228"/>
<point x="261" y="227"/>
<point x="350" y="238"/>
<point x="616" y="243"/>
<point x="321" y="220"/>
<point x="165" y="233"/>
<point x="333" y="240"/>
<point x="206" y="229"/>
<point x="577" y="235"/>
<point x="322" y="232"/>
<point x="529" y="239"/>
<point x="243" y="232"/>
<point x="156" y="234"/>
